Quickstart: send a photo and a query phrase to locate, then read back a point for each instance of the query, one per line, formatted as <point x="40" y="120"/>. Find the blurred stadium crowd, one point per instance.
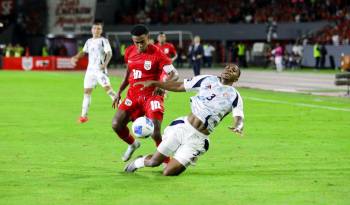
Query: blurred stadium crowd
<point x="29" y="20"/>
<point x="228" y="11"/>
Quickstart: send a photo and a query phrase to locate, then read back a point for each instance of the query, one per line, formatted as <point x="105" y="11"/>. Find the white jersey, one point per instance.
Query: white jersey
<point x="97" y="49"/>
<point x="214" y="100"/>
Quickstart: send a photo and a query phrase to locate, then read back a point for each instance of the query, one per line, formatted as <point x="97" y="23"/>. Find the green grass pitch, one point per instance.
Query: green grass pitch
<point x="295" y="150"/>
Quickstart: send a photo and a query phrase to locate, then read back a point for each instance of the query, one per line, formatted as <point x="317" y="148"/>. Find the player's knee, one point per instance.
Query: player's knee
<point x="152" y="162"/>
<point x="116" y="125"/>
<point x="87" y="91"/>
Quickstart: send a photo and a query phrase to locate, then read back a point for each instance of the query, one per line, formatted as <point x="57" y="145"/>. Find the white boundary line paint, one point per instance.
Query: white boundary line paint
<point x="297" y="104"/>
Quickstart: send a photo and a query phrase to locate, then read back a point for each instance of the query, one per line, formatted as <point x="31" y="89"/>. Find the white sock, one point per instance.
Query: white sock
<point x="86" y="104"/>
<point x="140" y="162"/>
<point x="111" y="94"/>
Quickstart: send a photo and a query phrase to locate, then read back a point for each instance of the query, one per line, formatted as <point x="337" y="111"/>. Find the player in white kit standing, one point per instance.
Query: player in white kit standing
<point x="188" y="137"/>
<point x="100" y="53"/>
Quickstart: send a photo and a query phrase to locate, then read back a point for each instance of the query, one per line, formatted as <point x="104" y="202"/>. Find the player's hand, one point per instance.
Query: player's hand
<point x="102" y="66"/>
<point x="158" y="91"/>
<point x="73" y="61"/>
<point x="236" y="130"/>
<point x="116" y="102"/>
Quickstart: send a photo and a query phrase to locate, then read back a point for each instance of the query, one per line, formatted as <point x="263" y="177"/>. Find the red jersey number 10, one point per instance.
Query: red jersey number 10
<point x="137" y="74"/>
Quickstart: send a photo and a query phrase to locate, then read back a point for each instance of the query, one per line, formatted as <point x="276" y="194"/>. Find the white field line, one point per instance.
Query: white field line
<point x="297" y="104"/>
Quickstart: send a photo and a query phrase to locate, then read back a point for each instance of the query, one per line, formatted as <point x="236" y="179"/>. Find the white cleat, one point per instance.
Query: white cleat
<point x="131" y="149"/>
<point x="130" y="167"/>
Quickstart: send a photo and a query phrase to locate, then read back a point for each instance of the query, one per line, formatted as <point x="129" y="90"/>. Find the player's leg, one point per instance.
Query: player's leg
<point x="109" y="90"/>
<point x="154" y="108"/>
<point x="155" y="111"/>
<point x="119" y="125"/>
<point x="157" y="136"/>
<point x="193" y="144"/>
<point x="85" y="105"/>
<point x="89" y="84"/>
<point x="152" y="160"/>
<point x="173" y="168"/>
<point x="104" y="81"/>
<point x="171" y="142"/>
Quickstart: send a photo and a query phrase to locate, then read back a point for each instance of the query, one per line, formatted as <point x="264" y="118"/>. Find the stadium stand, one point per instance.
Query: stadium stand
<point x="222" y="24"/>
<point x="226" y="11"/>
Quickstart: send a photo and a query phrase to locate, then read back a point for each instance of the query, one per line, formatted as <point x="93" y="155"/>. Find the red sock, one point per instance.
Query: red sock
<point x="166" y="160"/>
<point x="124" y="134"/>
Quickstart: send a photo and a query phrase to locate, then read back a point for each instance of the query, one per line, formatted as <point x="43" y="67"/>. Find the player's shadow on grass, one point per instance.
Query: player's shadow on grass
<point x="150" y="174"/>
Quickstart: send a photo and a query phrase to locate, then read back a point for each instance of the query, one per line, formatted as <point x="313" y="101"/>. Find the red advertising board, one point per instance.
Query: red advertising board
<point x="42" y="63"/>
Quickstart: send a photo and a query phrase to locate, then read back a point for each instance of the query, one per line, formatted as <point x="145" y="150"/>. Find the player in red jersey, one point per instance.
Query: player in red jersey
<point x="168" y="49"/>
<point x="144" y="62"/>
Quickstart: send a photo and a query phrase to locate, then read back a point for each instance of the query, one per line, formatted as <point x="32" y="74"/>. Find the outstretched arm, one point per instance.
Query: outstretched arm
<point x="75" y="58"/>
<point x="238" y="125"/>
<point x="174" y="57"/>
<point x="172" y="76"/>
<point x="238" y="115"/>
<point x="168" y="85"/>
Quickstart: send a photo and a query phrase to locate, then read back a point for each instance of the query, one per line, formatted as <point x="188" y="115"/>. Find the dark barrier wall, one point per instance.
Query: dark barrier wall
<point x="225" y="32"/>
<point x="335" y="51"/>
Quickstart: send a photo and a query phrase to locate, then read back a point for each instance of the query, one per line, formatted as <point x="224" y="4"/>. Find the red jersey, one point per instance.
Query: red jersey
<point x="167" y="48"/>
<point x="144" y="66"/>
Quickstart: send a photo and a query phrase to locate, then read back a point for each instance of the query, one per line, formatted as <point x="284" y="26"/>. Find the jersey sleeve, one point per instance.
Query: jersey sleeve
<point x="86" y="46"/>
<point x="172" y="49"/>
<point x="164" y="62"/>
<point x="106" y="45"/>
<point x="237" y="106"/>
<point x="195" y="83"/>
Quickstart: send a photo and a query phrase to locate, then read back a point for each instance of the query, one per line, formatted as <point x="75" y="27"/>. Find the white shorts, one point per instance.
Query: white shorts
<point x="92" y="78"/>
<point x="184" y="142"/>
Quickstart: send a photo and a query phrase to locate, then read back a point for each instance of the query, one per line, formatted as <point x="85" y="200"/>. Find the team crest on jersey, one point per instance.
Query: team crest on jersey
<point x="128" y="102"/>
<point x="147" y="65"/>
<point x="166" y="50"/>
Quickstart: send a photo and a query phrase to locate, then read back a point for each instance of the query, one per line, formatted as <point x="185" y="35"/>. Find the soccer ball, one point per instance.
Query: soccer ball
<point x="142" y="127"/>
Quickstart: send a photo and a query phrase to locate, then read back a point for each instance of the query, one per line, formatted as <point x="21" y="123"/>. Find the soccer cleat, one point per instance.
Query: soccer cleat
<point x="131" y="149"/>
<point x="130" y="167"/>
<point x="83" y="119"/>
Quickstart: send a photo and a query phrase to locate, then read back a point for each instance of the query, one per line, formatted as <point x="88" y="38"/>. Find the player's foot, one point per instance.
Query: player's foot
<point x="83" y="119"/>
<point x="131" y="149"/>
<point x="130" y="167"/>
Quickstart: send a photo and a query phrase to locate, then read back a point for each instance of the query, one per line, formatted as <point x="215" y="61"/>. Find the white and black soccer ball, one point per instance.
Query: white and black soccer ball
<point x="142" y="127"/>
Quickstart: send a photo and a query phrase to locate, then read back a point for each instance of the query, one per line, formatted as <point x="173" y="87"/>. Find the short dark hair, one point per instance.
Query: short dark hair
<point x="161" y="33"/>
<point x="139" y="30"/>
<point x="98" y="22"/>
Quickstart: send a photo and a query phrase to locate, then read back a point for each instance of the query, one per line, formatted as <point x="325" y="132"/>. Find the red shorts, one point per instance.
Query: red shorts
<point x="152" y="106"/>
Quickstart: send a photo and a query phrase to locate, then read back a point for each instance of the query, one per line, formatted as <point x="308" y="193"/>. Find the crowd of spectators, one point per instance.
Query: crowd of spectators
<point x="228" y="11"/>
<point x="336" y="34"/>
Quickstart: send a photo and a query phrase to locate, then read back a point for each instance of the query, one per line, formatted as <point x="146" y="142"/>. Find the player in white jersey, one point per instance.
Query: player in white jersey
<point x="100" y="53"/>
<point x="188" y="137"/>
